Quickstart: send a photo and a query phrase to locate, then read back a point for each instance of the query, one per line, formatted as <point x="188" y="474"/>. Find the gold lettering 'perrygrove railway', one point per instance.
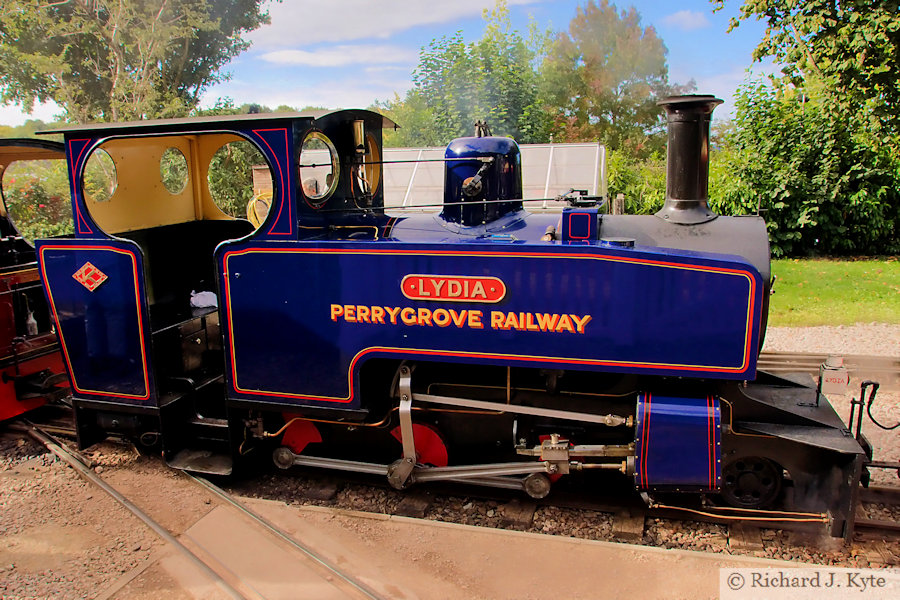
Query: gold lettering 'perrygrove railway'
<point x="473" y="319"/>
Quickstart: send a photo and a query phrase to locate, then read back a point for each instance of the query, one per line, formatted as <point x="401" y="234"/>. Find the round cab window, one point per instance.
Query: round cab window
<point x="36" y="197"/>
<point x="240" y="182"/>
<point x="99" y="181"/>
<point x="319" y="168"/>
<point x="173" y="170"/>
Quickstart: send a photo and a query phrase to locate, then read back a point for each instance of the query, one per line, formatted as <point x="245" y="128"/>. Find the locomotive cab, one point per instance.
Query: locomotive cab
<point x="135" y="292"/>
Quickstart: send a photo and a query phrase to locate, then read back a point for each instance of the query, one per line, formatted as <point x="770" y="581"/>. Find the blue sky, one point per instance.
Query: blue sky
<point x="349" y="53"/>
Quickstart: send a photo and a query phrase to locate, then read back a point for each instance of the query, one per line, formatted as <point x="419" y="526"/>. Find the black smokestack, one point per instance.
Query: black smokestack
<point x="687" y="160"/>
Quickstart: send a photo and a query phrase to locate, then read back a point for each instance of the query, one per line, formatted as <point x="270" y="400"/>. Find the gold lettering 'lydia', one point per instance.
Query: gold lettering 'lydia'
<point x="453" y="288"/>
<point x="472" y="319"/>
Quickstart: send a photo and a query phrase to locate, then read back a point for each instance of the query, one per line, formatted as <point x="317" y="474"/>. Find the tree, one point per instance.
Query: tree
<point x="643" y="182"/>
<point x="851" y="48"/>
<point x="416" y="120"/>
<point x="603" y="78"/>
<point x="36" y="197"/>
<point x="457" y="83"/>
<point x="106" y="60"/>
<point x="29" y="129"/>
<point x="822" y="186"/>
<point x="819" y="148"/>
<point x="230" y="176"/>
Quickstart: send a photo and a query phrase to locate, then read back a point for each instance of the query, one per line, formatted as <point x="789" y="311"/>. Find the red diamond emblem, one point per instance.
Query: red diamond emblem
<point x="90" y="276"/>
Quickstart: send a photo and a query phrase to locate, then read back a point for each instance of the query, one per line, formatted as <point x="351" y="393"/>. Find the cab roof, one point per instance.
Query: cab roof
<point x="12" y="149"/>
<point x="215" y="122"/>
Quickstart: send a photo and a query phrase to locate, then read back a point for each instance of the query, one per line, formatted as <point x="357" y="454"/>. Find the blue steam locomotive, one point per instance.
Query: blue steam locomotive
<point x="484" y="343"/>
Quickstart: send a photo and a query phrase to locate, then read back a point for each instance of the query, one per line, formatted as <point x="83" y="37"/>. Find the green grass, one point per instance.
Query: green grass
<point x="812" y="292"/>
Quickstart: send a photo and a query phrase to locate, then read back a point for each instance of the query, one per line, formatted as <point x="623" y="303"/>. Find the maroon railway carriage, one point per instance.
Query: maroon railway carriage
<point x="31" y="369"/>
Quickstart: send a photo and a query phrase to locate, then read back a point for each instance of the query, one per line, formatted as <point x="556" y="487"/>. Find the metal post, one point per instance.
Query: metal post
<point x="549" y="170"/>
<point x="604" y="189"/>
<point x="412" y="177"/>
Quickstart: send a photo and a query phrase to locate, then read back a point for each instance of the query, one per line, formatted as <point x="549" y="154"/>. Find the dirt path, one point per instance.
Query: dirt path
<point x="62" y="538"/>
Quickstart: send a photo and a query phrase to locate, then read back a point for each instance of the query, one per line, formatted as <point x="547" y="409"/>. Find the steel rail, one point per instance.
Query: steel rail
<point x="74" y="461"/>
<point x="883" y="369"/>
<point x="226" y="497"/>
<point x="877" y="526"/>
<point x="789" y="359"/>
<point x="884" y="495"/>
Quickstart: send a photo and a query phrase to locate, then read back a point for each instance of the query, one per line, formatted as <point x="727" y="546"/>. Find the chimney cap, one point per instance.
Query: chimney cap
<point x="690" y="99"/>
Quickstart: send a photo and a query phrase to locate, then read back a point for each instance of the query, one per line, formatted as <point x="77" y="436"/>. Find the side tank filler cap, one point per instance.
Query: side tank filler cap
<point x="618" y="242"/>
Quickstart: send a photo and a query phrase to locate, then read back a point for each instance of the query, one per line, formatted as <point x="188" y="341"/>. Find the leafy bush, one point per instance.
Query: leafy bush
<point x="824" y="184"/>
<point x="729" y="193"/>
<point x="36" y="193"/>
<point x="642" y="182"/>
<point x="230" y="176"/>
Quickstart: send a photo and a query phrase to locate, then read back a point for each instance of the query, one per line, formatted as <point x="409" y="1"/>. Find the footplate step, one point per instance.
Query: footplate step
<point x="201" y="461"/>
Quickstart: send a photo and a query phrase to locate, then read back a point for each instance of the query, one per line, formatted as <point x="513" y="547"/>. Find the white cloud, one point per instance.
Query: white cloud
<point x="306" y="22"/>
<point x="724" y="85"/>
<point x="338" y="56"/>
<point x="387" y="68"/>
<point x="686" y="20"/>
<point x="332" y="94"/>
<point x="15" y="116"/>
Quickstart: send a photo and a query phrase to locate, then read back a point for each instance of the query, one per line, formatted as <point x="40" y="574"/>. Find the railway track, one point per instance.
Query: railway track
<point x="363" y="590"/>
<point x="878" y="495"/>
<point x="626" y="510"/>
<point x="629" y="514"/>
<point x="883" y="369"/>
<point x="205" y="553"/>
<point x="628" y="518"/>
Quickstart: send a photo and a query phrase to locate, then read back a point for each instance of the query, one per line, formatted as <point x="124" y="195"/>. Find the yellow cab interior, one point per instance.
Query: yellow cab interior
<point x="160" y="192"/>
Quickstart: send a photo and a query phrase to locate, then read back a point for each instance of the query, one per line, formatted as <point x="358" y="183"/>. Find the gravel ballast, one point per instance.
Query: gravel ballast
<point x="877" y="339"/>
